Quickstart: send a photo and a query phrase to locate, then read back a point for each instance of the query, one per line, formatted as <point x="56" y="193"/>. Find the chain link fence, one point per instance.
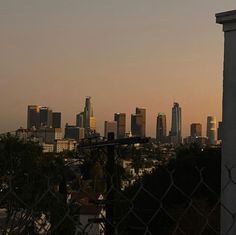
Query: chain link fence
<point x="127" y="186"/>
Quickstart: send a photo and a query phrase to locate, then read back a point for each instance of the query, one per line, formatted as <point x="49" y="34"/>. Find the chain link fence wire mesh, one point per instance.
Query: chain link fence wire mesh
<point x="110" y="187"/>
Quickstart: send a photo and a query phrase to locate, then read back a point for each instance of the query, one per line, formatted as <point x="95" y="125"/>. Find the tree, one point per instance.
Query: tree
<point x="173" y="196"/>
<point x="31" y="184"/>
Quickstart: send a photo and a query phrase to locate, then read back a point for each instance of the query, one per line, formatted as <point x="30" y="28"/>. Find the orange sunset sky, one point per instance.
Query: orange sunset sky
<point x="124" y="53"/>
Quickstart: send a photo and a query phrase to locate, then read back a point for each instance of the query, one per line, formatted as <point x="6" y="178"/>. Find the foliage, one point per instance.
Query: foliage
<point x="170" y="199"/>
<point x="32" y="184"/>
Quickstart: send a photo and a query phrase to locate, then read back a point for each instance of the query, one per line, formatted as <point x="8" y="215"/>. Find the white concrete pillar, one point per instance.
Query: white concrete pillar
<point x="228" y="175"/>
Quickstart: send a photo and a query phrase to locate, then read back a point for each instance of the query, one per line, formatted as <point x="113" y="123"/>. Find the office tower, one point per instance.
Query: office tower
<point x="88" y="111"/>
<point x="80" y="119"/>
<point x="142" y="113"/>
<point x="56" y="120"/>
<point x="120" y="118"/>
<point x="219" y="131"/>
<point x="92" y="124"/>
<point x="161" y="128"/>
<point x="89" y="120"/>
<point x="74" y="132"/>
<point x="45" y="116"/>
<point x="138" y="122"/>
<point x="110" y="126"/>
<point x="195" y="130"/>
<point x="176" y="125"/>
<point x="211" y="130"/>
<point x="33" y="116"/>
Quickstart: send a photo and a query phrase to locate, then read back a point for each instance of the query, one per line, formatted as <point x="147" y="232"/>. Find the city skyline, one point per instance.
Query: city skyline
<point x="156" y="59"/>
<point x="122" y="121"/>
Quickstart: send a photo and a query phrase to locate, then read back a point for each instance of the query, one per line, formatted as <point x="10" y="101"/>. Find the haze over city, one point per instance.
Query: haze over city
<point x="125" y="54"/>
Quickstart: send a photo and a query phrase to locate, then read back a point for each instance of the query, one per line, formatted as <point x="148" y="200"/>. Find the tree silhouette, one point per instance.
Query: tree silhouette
<point x="32" y="184"/>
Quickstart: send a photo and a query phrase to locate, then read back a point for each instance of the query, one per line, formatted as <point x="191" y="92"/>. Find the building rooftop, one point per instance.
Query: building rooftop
<point x="226" y="17"/>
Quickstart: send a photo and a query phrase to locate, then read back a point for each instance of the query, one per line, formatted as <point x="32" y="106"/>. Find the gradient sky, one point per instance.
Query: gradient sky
<point x="123" y="53"/>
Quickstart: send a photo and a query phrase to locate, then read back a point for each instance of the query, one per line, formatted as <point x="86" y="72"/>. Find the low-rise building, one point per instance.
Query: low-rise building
<point x="64" y="145"/>
<point x="47" y="134"/>
<point x="91" y="213"/>
<point x="48" y="148"/>
<point x="198" y="140"/>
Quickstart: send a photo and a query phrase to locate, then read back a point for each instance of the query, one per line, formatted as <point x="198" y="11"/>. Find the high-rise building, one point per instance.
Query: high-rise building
<point x="89" y="120"/>
<point x="45" y="116"/>
<point x="138" y="122"/>
<point x="161" y="128"/>
<point x="110" y="126"/>
<point x="92" y="124"/>
<point x="88" y="111"/>
<point x="33" y="116"/>
<point x="56" y="120"/>
<point x="120" y="118"/>
<point x="74" y="132"/>
<point x="39" y="116"/>
<point x="176" y="125"/>
<point x="80" y="119"/>
<point x="195" y="130"/>
<point x="211" y="130"/>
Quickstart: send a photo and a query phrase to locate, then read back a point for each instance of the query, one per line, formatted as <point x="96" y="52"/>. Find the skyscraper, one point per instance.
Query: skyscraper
<point x="92" y="124"/>
<point x="110" y="126"/>
<point x="211" y="129"/>
<point x="80" y="119"/>
<point x="33" y="116"/>
<point x="45" y="116"/>
<point x="89" y="120"/>
<point x="196" y="130"/>
<point x="88" y="111"/>
<point x="56" y="120"/>
<point x="120" y="118"/>
<point x="161" y="128"/>
<point x="176" y="124"/>
<point x="138" y="122"/>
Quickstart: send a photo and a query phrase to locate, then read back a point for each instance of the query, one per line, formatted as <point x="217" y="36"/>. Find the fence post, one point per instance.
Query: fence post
<point x="228" y="169"/>
<point x="110" y="169"/>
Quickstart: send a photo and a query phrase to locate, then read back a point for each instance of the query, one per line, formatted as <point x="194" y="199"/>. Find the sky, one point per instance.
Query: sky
<point x="123" y="53"/>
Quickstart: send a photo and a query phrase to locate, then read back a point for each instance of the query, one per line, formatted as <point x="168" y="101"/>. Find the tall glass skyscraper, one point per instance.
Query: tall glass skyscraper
<point x="161" y="128"/>
<point x="88" y="111"/>
<point x="80" y="119"/>
<point x="120" y="118"/>
<point x="45" y="117"/>
<point x="33" y="116"/>
<point x="138" y="122"/>
<point x="56" y="120"/>
<point x="211" y="129"/>
<point x="176" y="125"/>
<point x="89" y="120"/>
